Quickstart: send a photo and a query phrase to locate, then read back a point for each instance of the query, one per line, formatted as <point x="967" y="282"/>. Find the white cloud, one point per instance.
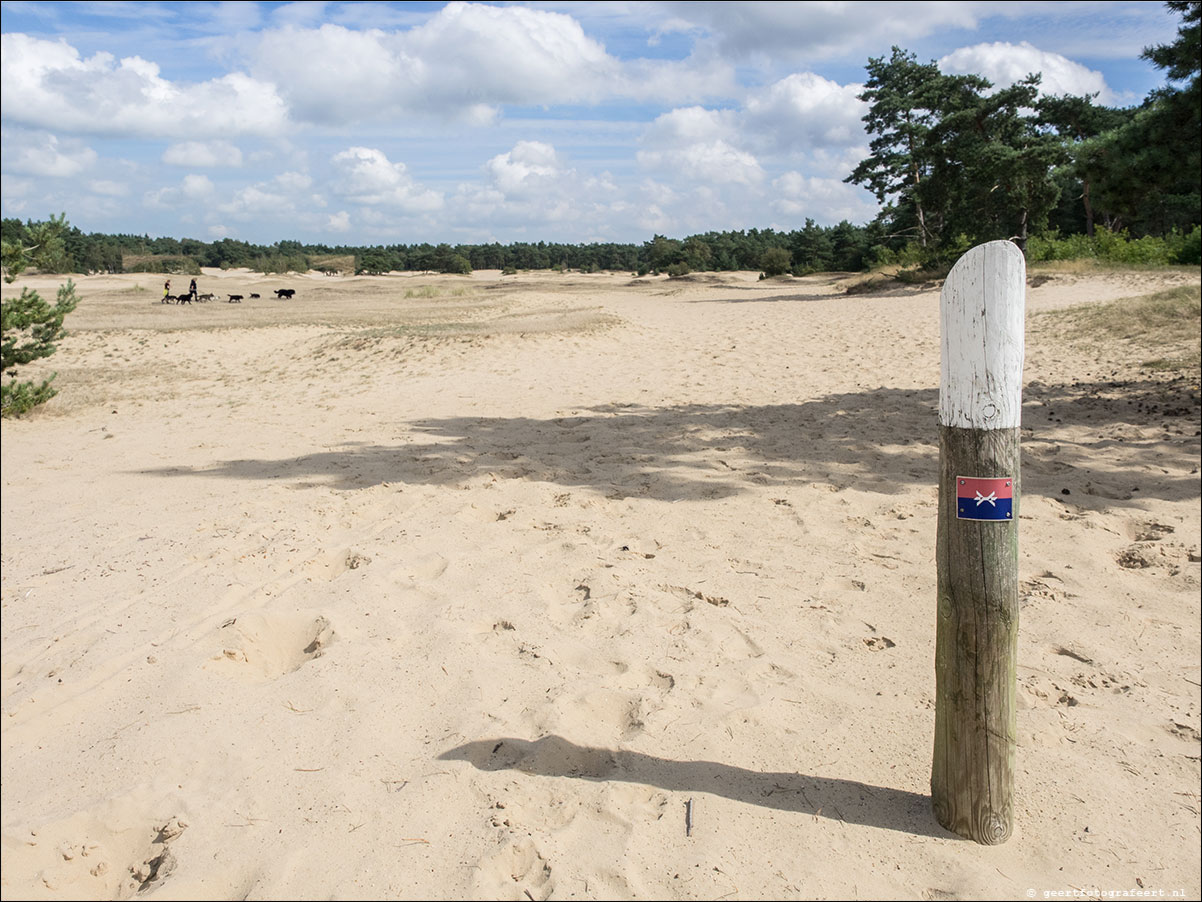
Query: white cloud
<point x="302" y="12"/>
<point x="258" y="201"/>
<point x="109" y="188"/>
<point x="699" y="145"/>
<point x="333" y="74"/>
<point x="510" y="55"/>
<point x="823" y="199"/>
<point x="196" y="187"/>
<point x="367" y="176"/>
<point x="689" y="125"/>
<point x="803" y="32"/>
<point x="802" y="117"/>
<point x="461" y="64"/>
<point x="228" y="17"/>
<point x="201" y="154"/>
<point x="190" y="190"/>
<point x="698" y="77"/>
<point x="529" y="168"/>
<point x="1004" y="64"/>
<point x="837" y="161"/>
<point x="532" y="189"/>
<point x="339" y="222"/>
<point x="283" y="198"/>
<point x="294" y="181"/>
<point x="653" y="219"/>
<point x="464" y="63"/>
<point x="48" y="84"/>
<point x="709" y="170"/>
<point x="41" y="153"/>
<point x="709" y="162"/>
<point x="807" y="111"/>
<point x="13" y="188"/>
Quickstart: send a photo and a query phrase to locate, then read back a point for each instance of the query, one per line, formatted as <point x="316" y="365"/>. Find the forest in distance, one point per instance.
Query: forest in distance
<point x="952" y="161"/>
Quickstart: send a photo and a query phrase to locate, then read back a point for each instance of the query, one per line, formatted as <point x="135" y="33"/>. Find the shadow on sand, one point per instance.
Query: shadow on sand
<point x="881" y="440"/>
<point x="845" y="800"/>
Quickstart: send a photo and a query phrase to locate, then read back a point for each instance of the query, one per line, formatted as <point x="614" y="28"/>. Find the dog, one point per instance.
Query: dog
<point x="285" y="294"/>
<point x="253" y="296"/>
<point x="183" y="299"/>
<point x="235" y="299"/>
<point x="205" y="297"/>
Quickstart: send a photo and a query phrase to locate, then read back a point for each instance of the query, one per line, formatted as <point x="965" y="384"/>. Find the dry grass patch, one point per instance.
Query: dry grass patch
<point x="526" y="322"/>
<point x="434" y="291"/>
<point x="1159" y="331"/>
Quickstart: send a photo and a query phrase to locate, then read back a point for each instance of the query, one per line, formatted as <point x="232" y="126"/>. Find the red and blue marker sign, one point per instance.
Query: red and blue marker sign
<point x="984" y="499"/>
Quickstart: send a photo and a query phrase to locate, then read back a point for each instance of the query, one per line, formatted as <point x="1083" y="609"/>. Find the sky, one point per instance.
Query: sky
<point x="382" y="123"/>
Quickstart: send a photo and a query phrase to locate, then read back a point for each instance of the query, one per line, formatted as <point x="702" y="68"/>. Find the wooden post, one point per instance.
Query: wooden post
<point x="980" y="400"/>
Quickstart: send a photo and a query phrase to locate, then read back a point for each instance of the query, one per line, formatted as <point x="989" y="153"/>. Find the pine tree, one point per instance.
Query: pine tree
<point x="1079" y="123"/>
<point x="954" y="160"/>
<point x="994" y="173"/>
<point x="30" y="327"/>
<point x="902" y="98"/>
<point x="1149" y="169"/>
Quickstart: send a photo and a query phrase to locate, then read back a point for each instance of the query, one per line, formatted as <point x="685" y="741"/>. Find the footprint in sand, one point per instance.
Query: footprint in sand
<point x="1150" y="531"/>
<point x="430" y="566"/>
<point x="879" y="643"/>
<point x="517" y="871"/>
<point x="1139" y="556"/>
<point x="111" y="852"/>
<point x="603" y="716"/>
<point x="270" y="645"/>
<point x="333" y="564"/>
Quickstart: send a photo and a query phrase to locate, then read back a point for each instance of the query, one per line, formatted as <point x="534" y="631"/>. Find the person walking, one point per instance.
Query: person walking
<point x="166" y="291"/>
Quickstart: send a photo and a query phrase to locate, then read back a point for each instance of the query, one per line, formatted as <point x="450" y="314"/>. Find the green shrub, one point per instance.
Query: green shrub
<point x="1117" y="247"/>
<point x="170" y="264"/>
<point x="676" y="270"/>
<point x="280" y="263"/>
<point x="776" y="261"/>
<point x="456" y="265"/>
<point x="1189" y="251"/>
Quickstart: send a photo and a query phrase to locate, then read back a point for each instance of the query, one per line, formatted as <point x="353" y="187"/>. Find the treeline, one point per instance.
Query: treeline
<point x="810" y="249"/>
<point x="844" y="247"/>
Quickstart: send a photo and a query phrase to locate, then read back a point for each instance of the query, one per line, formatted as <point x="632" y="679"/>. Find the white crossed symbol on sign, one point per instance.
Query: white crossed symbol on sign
<point x="991" y="498"/>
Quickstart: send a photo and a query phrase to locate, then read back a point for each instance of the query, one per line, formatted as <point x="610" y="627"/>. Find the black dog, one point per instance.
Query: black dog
<point x="235" y="299"/>
<point x="285" y="294"/>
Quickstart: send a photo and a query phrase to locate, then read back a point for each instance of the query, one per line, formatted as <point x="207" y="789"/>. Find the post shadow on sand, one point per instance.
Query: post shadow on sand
<point x="848" y="801"/>
<point x="880" y="440"/>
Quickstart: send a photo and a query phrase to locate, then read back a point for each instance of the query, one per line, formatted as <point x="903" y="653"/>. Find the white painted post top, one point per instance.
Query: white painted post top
<point x="981" y="320"/>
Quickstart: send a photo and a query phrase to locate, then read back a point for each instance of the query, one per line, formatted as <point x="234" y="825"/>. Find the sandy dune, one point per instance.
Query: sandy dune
<point x="441" y="587"/>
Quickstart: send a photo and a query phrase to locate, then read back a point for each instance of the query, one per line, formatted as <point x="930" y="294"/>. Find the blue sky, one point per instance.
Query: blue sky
<point x="378" y="123"/>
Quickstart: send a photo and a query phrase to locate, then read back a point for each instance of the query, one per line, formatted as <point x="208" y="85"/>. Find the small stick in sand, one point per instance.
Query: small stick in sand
<point x="688" y="818"/>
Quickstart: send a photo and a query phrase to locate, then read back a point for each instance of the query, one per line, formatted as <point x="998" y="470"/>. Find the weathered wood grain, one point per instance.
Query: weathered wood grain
<point x="972" y="775"/>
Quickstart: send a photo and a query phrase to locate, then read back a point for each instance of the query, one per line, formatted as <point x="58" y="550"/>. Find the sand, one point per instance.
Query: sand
<point x="462" y="587"/>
